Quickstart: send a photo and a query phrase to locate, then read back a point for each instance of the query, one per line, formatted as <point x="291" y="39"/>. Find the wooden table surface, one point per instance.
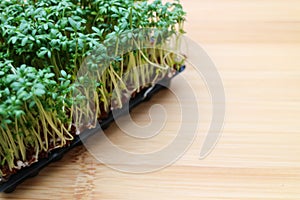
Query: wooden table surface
<point x="255" y="46"/>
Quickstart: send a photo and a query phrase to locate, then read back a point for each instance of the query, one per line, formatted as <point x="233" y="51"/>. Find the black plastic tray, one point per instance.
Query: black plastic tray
<point x="56" y="154"/>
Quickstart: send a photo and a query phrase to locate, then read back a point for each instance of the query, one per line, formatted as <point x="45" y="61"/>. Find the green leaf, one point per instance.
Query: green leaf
<point x="31" y="104"/>
<point x="24" y="41"/>
<point x="69" y="29"/>
<point x="34" y="32"/>
<point x="49" y="75"/>
<point x="13" y="40"/>
<point x="64" y="46"/>
<point x="75" y="25"/>
<point x="22" y="26"/>
<point x="63" y="73"/>
<point x="46" y="26"/>
<point x="39" y="92"/>
<point x="10" y="78"/>
<point x="80" y="43"/>
<point x="7" y="121"/>
<point x="49" y="54"/>
<point x="97" y="30"/>
<point x="114" y="9"/>
<point x="39" y="85"/>
<point x="116" y="28"/>
<point x="18" y="113"/>
<point x="72" y="22"/>
<point x="66" y="84"/>
<point x="7" y="91"/>
<point x="42" y="54"/>
<point x="23" y="95"/>
<point x="16" y="85"/>
<point x="54" y="96"/>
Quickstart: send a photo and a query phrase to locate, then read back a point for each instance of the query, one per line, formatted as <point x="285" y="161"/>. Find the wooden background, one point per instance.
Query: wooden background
<point x="256" y="48"/>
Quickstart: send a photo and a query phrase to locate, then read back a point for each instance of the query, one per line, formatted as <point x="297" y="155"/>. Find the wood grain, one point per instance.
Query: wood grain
<point x="256" y="47"/>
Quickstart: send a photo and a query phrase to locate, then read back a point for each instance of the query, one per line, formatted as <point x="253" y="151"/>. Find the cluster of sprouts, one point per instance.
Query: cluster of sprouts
<point x="65" y="64"/>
